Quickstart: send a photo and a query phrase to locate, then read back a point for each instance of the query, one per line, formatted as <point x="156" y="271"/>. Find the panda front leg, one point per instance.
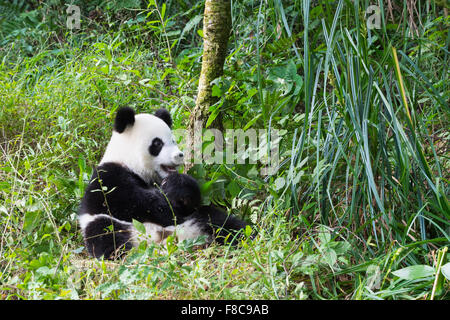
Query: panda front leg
<point x="213" y="223"/>
<point x="225" y="228"/>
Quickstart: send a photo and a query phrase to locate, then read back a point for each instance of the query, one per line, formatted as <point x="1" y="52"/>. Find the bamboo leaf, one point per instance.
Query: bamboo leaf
<point x="139" y="226"/>
<point x="414" y="272"/>
<point x="446" y="270"/>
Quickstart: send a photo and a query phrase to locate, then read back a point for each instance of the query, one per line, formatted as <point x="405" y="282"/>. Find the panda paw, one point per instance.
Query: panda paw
<point x="183" y="193"/>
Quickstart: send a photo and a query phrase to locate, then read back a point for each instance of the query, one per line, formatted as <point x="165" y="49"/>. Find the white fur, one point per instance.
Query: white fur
<point x="131" y="148"/>
<point x="153" y="232"/>
<point x="158" y="234"/>
<point x="189" y="230"/>
<point x="85" y="219"/>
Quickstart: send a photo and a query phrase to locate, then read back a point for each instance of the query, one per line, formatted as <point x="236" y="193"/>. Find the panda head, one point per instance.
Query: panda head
<point x="144" y="144"/>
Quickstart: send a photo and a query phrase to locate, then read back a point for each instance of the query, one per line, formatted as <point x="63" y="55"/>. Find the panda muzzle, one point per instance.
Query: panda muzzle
<point x="169" y="169"/>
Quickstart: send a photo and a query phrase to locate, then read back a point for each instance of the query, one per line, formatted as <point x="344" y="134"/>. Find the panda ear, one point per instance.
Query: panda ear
<point x="165" y="116"/>
<point x="124" y="117"/>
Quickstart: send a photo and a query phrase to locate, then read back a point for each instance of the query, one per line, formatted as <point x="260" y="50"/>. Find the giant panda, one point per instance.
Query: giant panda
<point x="137" y="179"/>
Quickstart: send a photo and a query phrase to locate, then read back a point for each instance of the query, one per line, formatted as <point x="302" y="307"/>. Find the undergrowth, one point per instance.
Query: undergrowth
<point x="358" y="208"/>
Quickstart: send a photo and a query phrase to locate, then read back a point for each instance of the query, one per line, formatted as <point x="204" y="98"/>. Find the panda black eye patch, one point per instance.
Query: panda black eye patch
<point x="156" y="146"/>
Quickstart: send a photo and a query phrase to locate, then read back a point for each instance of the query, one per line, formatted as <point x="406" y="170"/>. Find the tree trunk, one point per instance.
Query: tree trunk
<point x="216" y="31"/>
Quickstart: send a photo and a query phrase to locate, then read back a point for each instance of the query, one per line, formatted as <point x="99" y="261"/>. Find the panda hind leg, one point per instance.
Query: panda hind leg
<point x="108" y="237"/>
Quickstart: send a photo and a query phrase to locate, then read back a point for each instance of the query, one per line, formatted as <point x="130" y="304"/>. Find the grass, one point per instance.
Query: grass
<point x="357" y="210"/>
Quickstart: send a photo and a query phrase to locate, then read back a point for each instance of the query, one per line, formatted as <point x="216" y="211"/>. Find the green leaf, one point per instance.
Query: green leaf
<point x="206" y="187"/>
<point x="324" y="236"/>
<point x="45" y="271"/>
<point x="285" y="77"/>
<point x="214" y="109"/>
<point x="415" y="272"/>
<point x="30" y="220"/>
<point x="104" y="69"/>
<point x="234" y="189"/>
<point x="216" y="92"/>
<point x="163" y="11"/>
<point x="279" y="183"/>
<point x="445" y="269"/>
<point x="252" y="121"/>
<point x="108" y="54"/>
<point x="193" y="22"/>
<point x="330" y="256"/>
<point x="139" y="226"/>
<point x="248" y="231"/>
<point x="143" y="82"/>
<point x="32" y="217"/>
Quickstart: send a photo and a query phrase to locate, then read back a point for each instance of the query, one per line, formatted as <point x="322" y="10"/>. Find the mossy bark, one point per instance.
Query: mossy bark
<point x="216" y="31"/>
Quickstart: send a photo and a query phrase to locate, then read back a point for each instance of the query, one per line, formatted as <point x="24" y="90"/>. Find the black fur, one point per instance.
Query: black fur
<point x="107" y="237"/>
<point x="124" y="117"/>
<point x="183" y="193"/>
<point x="164" y="115"/>
<point x="155" y="147"/>
<point x="116" y="191"/>
<point x="117" y="196"/>
<point x="224" y="228"/>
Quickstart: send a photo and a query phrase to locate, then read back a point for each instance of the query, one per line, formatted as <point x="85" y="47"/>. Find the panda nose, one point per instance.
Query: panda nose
<point x="178" y="157"/>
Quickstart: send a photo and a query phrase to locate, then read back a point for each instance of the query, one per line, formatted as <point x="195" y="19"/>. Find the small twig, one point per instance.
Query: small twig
<point x="60" y="259"/>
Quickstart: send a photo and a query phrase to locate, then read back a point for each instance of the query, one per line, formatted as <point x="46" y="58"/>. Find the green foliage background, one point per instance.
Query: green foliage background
<point x="358" y="208"/>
